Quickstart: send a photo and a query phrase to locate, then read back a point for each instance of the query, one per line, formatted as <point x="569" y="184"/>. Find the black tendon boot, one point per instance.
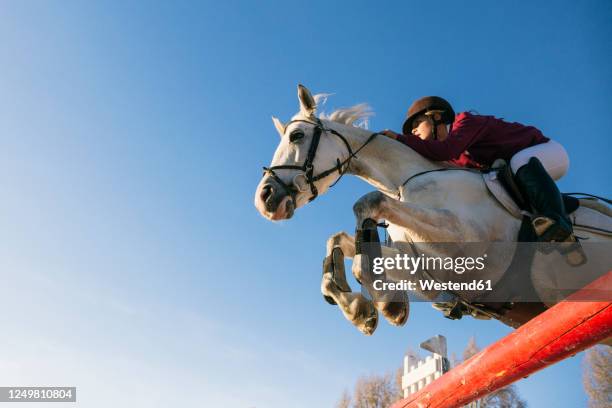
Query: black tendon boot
<point x="550" y="221"/>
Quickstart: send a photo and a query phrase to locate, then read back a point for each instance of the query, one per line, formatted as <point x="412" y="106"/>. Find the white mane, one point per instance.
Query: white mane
<point x="356" y="115"/>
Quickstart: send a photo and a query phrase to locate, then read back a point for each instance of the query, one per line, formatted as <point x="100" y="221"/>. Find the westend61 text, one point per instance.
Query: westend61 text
<point x="413" y="263"/>
<point x="427" y="285"/>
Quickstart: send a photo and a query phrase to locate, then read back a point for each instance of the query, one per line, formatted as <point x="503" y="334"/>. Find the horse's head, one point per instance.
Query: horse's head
<point x="307" y="161"/>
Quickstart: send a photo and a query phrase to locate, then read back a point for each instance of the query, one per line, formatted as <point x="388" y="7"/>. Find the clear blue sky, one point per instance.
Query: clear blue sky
<point x="132" y="134"/>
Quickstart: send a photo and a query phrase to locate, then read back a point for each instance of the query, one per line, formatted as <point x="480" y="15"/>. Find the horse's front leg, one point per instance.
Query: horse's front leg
<point x="425" y="224"/>
<point x="356" y="308"/>
<point x="394" y="306"/>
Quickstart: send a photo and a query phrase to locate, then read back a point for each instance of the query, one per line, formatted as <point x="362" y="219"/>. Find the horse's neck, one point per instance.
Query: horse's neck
<point x="384" y="163"/>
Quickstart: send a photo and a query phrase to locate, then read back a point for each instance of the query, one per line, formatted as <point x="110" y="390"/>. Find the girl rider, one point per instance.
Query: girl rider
<point x="432" y="129"/>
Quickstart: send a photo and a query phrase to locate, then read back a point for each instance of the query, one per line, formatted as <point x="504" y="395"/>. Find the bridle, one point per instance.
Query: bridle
<point x="308" y="167"/>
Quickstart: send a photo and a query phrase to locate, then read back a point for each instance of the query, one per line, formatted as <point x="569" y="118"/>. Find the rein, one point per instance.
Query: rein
<point x="308" y="167"/>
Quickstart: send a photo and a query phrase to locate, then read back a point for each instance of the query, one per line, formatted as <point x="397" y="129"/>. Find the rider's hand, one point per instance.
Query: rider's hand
<point x="390" y="133"/>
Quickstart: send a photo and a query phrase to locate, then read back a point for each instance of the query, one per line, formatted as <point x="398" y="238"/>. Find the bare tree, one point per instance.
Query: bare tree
<point x="376" y="391"/>
<point x="506" y="397"/>
<point x="471" y="348"/>
<point x="345" y="400"/>
<point x="398" y="383"/>
<point x="597" y="380"/>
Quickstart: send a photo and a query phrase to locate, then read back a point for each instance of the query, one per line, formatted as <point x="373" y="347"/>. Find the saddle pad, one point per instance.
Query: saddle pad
<point x="498" y="191"/>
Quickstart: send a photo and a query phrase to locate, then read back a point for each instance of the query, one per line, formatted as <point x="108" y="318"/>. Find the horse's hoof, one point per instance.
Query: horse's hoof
<point x="369" y="325"/>
<point x="397" y="313"/>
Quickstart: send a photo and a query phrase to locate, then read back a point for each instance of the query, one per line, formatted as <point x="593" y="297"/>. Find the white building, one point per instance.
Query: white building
<point x="419" y="373"/>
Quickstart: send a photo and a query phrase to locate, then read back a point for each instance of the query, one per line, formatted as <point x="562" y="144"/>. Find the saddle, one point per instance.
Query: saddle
<point x="501" y="184"/>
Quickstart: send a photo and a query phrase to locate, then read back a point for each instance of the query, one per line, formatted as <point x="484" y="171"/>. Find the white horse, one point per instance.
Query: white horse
<point x="435" y="207"/>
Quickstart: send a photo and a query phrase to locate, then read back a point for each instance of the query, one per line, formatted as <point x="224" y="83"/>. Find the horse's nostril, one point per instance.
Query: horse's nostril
<point x="266" y="192"/>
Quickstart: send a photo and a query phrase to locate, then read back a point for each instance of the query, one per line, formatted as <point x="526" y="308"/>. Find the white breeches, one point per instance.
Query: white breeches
<point x="552" y="155"/>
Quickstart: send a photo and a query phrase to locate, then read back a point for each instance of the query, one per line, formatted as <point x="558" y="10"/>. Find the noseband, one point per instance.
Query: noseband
<point x="308" y="168"/>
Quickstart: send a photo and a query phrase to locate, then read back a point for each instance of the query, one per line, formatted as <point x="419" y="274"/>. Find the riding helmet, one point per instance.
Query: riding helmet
<point x="426" y="104"/>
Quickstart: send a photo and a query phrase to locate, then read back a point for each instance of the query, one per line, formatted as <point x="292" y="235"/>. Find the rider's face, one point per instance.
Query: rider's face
<point x="422" y="127"/>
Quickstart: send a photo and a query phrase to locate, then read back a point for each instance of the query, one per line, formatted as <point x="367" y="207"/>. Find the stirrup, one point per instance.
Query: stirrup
<point x="548" y="230"/>
<point x="567" y="244"/>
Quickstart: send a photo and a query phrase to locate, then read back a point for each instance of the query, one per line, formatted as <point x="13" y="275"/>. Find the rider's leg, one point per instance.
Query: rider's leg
<point x="535" y="168"/>
<point x="551" y="154"/>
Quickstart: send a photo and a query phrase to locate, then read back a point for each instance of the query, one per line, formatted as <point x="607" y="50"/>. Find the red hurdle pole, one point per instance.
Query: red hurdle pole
<point x="562" y="331"/>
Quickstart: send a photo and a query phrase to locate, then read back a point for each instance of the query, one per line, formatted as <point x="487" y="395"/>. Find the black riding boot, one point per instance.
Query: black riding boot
<point x="550" y="221"/>
<point x="545" y="198"/>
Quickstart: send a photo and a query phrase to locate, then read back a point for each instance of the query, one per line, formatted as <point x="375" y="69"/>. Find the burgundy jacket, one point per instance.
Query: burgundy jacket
<point x="477" y="141"/>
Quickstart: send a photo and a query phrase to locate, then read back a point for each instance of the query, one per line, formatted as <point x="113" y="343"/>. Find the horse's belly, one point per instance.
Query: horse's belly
<point x="497" y="257"/>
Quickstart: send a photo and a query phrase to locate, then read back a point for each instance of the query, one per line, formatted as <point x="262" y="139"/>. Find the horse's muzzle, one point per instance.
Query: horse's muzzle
<point x="272" y="201"/>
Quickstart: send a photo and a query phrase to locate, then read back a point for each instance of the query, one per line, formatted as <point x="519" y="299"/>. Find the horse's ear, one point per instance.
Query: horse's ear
<point x="307" y="102"/>
<point x="279" y="126"/>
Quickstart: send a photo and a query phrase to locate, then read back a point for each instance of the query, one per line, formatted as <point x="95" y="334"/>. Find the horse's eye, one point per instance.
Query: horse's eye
<point x="295" y="136"/>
